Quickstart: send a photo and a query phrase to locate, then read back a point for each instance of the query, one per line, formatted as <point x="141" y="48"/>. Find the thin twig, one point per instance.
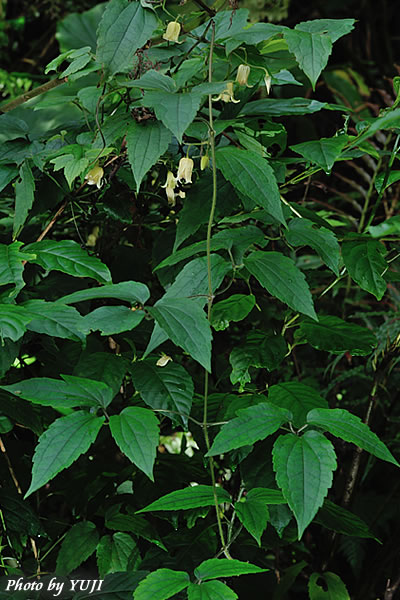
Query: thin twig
<point x="42" y="89"/>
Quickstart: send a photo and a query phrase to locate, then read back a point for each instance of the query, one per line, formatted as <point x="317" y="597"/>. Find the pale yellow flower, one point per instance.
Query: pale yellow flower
<point x="172" y="32"/>
<point x="95" y="176"/>
<point x="227" y="94"/>
<point x="243" y="75"/>
<point x="164" y="360"/>
<point x="185" y="170"/>
<point x="267" y="81"/>
<point x="204" y="162"/>
<point x="171" y="181"/>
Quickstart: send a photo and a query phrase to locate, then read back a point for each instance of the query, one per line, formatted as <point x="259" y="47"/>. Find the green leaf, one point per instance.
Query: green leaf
<point x="334" y="28"/>
<point x="72" y="436"/>
<point x="73" y="392"/>
<point x="252" y="176"/>
<point x="333" y="588"/>
<point x="79" y="543"/>
<point x="235" y="308"/>
<point x="389" y="227"/>
<point x="8" y="354"/>
<point x="191" y="497"/>
<point x="388" y="180"/>
<point x="102" y="366"/>
<point x="296" y="397"/>
<point x="145" y="143"/>
<point x="79" y="29"/>
<point x="161" y="585"/>
<point x="12" y="128"/>
<point x="279" y="107"/>
<point x="304" y="232"/>
<point x="324" y="152"/>
<point x="55" y="319"/>
<point x="253" y="513"/>
<point x="252" y="424"/>
<point x="311" y="50"/>
<point x="136" y="432"/>
<point x="132" y="523"/>
<point x="186" y="324"/>
<point x="68" y="257"/>
<point x="176" y="111"/>
<point x="214" y="568"/>
<point x="112" y="319"/>
<point x="13" y="321"/>
<point x="279" y="275"/>
<point x="11" y="267"/>
<point x="350" y="428"/>
<point x="24" y="196"/>
<point x="343" y="521"/>
<point x="304" y="466"/>
<point x="210" y="590"/>
<point x="335" y="335"/>
<point x="18" y="514"/>
<point x="169" y="387"/>
<point x="124" y="27"/>
<point x="365" y="263"/>
<point x="128" y="291"/>
<point x="389" y="119"/>
<point x="151" y="80"/>
<point x="114" y="553"/>
<point x="7" y="174"/>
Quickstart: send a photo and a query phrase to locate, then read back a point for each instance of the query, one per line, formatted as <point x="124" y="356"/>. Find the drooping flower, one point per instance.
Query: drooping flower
<point x="164" y="360"/>
<point x="172" y="32"/>
<point x="95" y="176"/>
<point x="243" y="75"/>
<point x="170" y="186"/>
<point x="205" y="159"/>
<point x="267" y="81"/>
<point x="227" y="94"/>
<point x="185" y="169"/>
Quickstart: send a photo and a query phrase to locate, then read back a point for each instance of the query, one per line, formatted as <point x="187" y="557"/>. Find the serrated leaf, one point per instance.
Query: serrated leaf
<point x="161" y="585"/>
<point x="334" y="28"/>
<point x="169" y="387"/>
<point x="18" y="514"/>
<point x="11" y="267"/>
<point x="279" y="275"/>
<point x="252" y="512"/>
<point x="124" y="27"/>
<point x="350" y="428"/>
<point x="112" y="319"/>
<point x="24" y="196"/>
<point x="365" y="263"/>
<point x="389" y="227"/>
<point x="386" y="121"/>
<point x="116" y="586"/>
<point x="335" y="588"/>
<point x="132" y="523"/>
<point x="136" y="432"/>
<point x="304" y="466"/>
<point x="296" y="397"/>
<point x="79" y="543"/>
<point x="128" y="291"/>
<point x="68" y="257"/>
<point x="102" y="366"/>
<point x="190" y="497"/>
<point x="55" y="319"/>
<point x="71" y="436"/>
<point x="214" y="568"/>
<point x="324" y="152"/>
<point x="311" y="50"/>
<point x="186" y="324"/>
<point x="175" y="110"/>
<point x="13" y="321"/>
<point x="335" y="335"/>
<point x="145" y="143"/>
<point x="7" y="174"/>
<point x="114" y="552"/>
<point x="210" y="590"/>
<point x="235" y="308"/>
<point x="252" y="176"/>
<point x="304" y="232"/>
<point x="343" y="521"/>
<point x="252" y="424"/>
<point x="275" y="107"/>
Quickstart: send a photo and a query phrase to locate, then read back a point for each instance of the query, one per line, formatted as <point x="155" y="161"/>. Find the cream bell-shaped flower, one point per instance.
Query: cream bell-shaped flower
<point x="242" y="75"/>
<point x="172" y="32"/>
<point x="185" y="169"/>
<point x="227" y="94"/>
<point x="169" y="187"/>
<point x="95" y="176"/>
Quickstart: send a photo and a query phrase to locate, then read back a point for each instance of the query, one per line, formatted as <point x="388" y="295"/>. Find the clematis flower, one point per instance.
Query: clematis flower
<point x="204" y="162"/>
<point x="243" y="75"/>
<point x="267" y="81"/>
<point x="227" y="94"/>
<point x="185" y="169"/>
<point x="170" y="186"/>
<point x="95" y="176"/>
<point x="172" y="32"/>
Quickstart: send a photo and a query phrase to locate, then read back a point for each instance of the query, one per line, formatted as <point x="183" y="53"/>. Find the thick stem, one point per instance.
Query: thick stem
<point x="42" y="89"/>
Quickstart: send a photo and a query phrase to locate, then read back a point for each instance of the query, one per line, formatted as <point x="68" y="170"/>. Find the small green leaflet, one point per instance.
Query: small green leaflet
<point x="214" y="568"/>
<point x="235" y="308"/>
<point x="324" y="152"/>
<point x="136" y="431"/>
<point x="124" y="27"/>
<point x="79" y="543"/>
<point x="114" y="553"/>
<point x="176" y="111"/>
<point x="145" y="143"/>
<point x="350" y="428"/>
<point x="190" y="497"/>
<point x="322" y="240"/>
<point x="24" y="196"/>
<point x="67" y="256"/>
<point x="304" y="468"/>
<point x="296" y="397"/>
<point x="389" y="227"/>
<point x="128" y="291"/>
<point x="11" y="267"/>
<point x="13" y="321"/>
<point x="161" y="585"/>
<point x="55" y="319"/>
<point x="252" y="176"/>
<point x="274" y="107"/>
<point x="336" y="590"/>
<point x="72" y="436"/>
<point x="139" y="526"/>
<point x="252" y="424"/>
<point x="279" y="275"/>
<point x="335" y="335"/>
<point x="112" y="319"/>
<point x="186" y="324"/>
<point x="386" y="121"/>
<point x="365" y="263"/>
<point x="252" y="512"/>
<point x="210" y="590"/>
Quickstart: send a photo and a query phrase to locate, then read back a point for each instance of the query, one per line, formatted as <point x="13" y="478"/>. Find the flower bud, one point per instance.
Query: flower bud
<point x="95" y="176"/>
<point x="185" y="169"/>
<point x="267" y="81"/>
<point x="243" y="74"/>
<point x="204" y="162"/>
<point x="172" y="32"/>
